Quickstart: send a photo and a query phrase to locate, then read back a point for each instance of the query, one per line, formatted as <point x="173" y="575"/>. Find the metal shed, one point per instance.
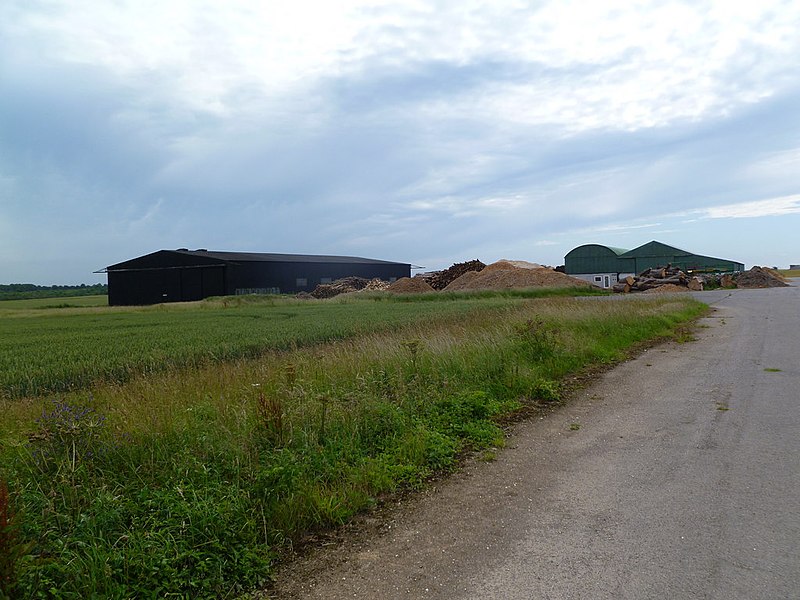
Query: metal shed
<point x="185" y="275"/>
<point x="604" y="265"/>
<point x="657" y="254"/>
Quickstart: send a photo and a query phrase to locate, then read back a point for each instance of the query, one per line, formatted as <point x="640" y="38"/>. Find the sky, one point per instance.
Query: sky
<point x="421" y="132"/>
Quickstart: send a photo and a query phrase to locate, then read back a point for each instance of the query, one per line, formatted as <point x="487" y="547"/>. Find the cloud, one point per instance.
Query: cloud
<point x="772" y="207"/>
<point x="402" y="130"/>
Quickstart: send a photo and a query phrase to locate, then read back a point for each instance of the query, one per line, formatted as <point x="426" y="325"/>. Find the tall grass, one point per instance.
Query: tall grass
<point x="58" y="350"/>
<point x="189" y="482"/>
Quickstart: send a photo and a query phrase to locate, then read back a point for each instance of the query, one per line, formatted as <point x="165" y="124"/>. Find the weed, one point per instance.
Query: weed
<point x="12" y="549"/>
<point x="66" y="436"/>
<point x="772" y="370"/>
<point x="488" y="455"/>
<point x="270" y="418"/>
<point x="537" y="340"/>
<point x="324" y="402"/>
<point x="413" y="347"/>
<point x="574" y="426"/>
<point x="546" y="390"/>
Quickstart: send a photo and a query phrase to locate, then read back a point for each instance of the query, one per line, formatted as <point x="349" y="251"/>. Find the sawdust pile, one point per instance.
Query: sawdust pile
<point x="505" y="264"/>
<point x="504" y="275"/>
<point x="439" y="280"/>
<point x="760" y="277"/>
<point x="409" y="285"/>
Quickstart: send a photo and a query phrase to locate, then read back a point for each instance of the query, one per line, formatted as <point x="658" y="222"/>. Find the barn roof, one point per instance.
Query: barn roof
<point x="185" y="257"/>
<point x="273" y="257"/>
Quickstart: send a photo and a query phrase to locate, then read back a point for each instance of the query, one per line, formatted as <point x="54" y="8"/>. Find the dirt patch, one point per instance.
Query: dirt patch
<point x="760" y="277"/>
<point x="409" y="285"/>
<point x="666" y="289"/>
<point x="504" y="275"/>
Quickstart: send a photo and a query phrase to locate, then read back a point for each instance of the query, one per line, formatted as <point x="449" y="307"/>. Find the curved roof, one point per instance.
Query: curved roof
<point x="593" y="249"/>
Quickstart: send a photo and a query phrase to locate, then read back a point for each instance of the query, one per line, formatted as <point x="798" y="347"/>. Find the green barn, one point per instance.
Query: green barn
<point x="605" y="265"/>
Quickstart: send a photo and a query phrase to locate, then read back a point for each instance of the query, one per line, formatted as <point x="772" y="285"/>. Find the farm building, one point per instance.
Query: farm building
<point x="185" y="275"/>
<point x="604" y="265"/>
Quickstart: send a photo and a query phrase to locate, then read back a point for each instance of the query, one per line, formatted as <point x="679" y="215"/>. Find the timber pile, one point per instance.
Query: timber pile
<point x="655" y="278"/>
<point x="347" y="285"/>
<point x="439" y="280"/>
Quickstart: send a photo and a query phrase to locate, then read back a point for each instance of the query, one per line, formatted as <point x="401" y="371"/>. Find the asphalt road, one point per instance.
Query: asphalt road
<point x="676" y="475"/>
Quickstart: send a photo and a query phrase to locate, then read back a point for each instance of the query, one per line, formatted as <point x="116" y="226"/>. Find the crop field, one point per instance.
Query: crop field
<point x="178" y="451"/>
<point x="54" y="350"/>
<point x="11" y="306"/>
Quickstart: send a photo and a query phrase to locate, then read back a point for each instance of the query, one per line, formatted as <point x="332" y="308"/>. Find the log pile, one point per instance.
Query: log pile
<point x="346" y="285"/>
<point x="439" y="280"/>
<point x="653" y="278"/>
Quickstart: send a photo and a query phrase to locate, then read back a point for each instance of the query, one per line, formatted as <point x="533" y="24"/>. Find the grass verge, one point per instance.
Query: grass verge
<point x="187" y="483"/>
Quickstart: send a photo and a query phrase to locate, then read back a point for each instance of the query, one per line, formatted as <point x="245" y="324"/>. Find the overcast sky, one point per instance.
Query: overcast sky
<point x="422" y="132"/>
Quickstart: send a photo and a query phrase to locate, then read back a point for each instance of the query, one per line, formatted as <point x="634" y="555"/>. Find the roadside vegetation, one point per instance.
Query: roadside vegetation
<point x="188" y="479"/>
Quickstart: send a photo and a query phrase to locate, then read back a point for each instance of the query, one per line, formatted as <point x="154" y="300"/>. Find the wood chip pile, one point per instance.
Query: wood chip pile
<point x="760" y="277"/>
<point x="408" y="285"/>
<point x="470" y="275"/>
<point x="439" y="280"/>
<point x="504" y="275"/>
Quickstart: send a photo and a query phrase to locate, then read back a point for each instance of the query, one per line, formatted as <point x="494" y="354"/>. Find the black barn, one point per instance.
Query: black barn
<point x="184" y="275"/>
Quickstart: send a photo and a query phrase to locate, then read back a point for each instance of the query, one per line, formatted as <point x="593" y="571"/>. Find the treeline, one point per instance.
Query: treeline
<point x="27" y="291"/>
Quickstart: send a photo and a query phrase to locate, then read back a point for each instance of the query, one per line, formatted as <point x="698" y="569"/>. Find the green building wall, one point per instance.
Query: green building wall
<point x="596" y="258"/>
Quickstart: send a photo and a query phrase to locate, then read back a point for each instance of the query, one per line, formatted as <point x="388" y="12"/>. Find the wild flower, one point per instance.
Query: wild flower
<point x="67" y="436"/>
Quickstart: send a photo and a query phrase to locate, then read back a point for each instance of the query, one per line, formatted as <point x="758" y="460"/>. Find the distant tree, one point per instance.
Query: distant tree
<point x="27" y="291"/>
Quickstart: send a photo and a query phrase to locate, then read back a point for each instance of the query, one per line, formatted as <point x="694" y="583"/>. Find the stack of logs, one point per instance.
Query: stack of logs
<point x="653" y="278"/>
<point x="439" y="280"/>
<point x="347" y="285"/>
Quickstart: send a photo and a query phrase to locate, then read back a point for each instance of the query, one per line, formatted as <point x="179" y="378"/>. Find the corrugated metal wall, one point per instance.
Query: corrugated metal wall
<point x="596" y="258"/>
<point x="170" y="276"/>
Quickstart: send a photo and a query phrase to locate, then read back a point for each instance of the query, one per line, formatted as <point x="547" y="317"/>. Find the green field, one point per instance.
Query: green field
<point x="54" y="350"/>
<point x="789" y="272"/>
<point x="10" y="307"/>
<point x="193" y="444"/>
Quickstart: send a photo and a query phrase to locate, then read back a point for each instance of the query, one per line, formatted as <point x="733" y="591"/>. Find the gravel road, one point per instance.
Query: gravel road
<point x="676" y="475"/>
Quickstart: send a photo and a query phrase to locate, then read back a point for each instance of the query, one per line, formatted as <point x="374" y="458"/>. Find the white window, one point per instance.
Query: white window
<point x="301" y="282"/>
<point x="598" y="278"/>
<point x="325" y="279"/>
